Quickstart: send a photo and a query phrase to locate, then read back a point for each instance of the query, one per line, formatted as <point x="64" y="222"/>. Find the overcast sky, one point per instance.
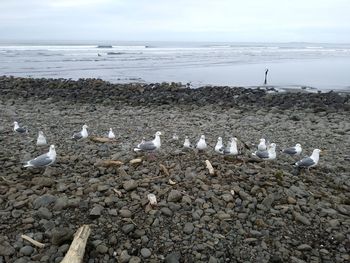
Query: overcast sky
<point x="176" y="20"/>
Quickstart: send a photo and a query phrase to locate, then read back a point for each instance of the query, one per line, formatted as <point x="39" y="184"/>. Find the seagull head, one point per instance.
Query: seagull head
<point x="85" y="126"/>
<point x="219" y="139"/>
<point x="52" y="147"/>
<point x="262" y="140"/>
<point x="272" y="146"/>
<point x="41" y="133"/>
<point x="202" y="137"/>
<point x="110" y="129"/>
<point x="316" y="151"/>
<point x="158" y="133"/>
<point x="234" y="139"/>
<point x="15" y="123"/>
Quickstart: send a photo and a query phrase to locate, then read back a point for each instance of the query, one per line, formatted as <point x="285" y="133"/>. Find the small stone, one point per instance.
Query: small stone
<point x="172" y="258"/>
<point x="125" y="213"/>
<point x="128" y="228"/>
<point x="227" y="197"/>
<point x="188" y="228"/>
<point x="174" y="196"/>
<point x="102" y="249"/>
<point x="302" y="219"/>
<point x="44" y="200"/>
<point x="304" y="247"/>
<point x="43" y="181"/>
<point x="146" y="253"/>
<point x="130" y="185"/>
<point x="124" y="256"/>
<point x="43" y="212"/>
<point x="291" y="200"/>
<point x="5" y="248"/>
<point x="212" y="260"/>
<point x="96" y="211"/>
<point x="135" y="259"/>
<point x="60" y="235"/>
<point x="166" y="211"/>
<point x="26" y="250"/>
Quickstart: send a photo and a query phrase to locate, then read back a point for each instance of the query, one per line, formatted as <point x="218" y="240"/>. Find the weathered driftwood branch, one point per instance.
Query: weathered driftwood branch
<point x="76" y="250"/>
<point x="209" y="167"/>
<point x="101" y="139"/>
<point x="164" y="169"/>
<point x="34" y="242"/>
<point x="134" y="161"/>
<point x="108" y="163"/>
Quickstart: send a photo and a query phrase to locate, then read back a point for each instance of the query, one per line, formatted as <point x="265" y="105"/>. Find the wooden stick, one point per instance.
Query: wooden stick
<point x="209" y="167"/>
<point x="76" y="250"/>
<point x="134" y="161"/>
<point x="34" y="242"/>
<point x="164" y="169"/>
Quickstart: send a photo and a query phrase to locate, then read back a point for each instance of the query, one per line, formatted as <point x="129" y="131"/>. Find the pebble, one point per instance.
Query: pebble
<point x="130" y="185"/>
<point x="146" y="253"/>
<point x="174" y="196"/>
<point x="188" y="228"/>
<point x="26" y="250"/>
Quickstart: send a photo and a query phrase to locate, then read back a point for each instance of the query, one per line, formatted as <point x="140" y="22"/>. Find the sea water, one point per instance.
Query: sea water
<point x="291" y="65"/>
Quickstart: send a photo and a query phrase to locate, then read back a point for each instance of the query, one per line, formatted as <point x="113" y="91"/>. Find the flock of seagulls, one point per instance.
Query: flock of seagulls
<point x="265" y="150"/>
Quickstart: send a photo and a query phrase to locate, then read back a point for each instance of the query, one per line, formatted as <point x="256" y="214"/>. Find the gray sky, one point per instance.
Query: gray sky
<point x="177" y="20"/>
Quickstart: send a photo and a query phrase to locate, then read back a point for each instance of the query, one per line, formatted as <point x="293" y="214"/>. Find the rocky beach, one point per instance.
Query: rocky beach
<point x="248" y="211"/>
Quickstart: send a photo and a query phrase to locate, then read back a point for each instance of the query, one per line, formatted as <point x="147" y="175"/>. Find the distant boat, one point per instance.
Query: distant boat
<point x="104" y="46"/>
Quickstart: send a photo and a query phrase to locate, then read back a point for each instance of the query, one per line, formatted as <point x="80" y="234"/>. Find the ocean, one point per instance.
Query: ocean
<point x="291" y="65"/>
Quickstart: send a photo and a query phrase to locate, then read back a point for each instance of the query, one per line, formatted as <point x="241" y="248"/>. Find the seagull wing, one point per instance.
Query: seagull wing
<point x="147" y="146"/>
<point x="262" y="154"/>
<point x="40" y="161"/>
<point x="306" y="162"/>
<point x="290" y="151"/>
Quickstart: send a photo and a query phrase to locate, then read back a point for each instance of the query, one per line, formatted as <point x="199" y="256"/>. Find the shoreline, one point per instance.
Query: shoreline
<point x="274" y="215"/>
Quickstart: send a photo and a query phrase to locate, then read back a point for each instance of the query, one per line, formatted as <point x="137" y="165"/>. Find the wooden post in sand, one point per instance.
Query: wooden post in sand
<point x="76" y="250"/>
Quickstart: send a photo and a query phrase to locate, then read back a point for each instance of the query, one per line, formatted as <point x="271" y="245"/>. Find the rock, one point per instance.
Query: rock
<point x="44" y="201"/>
<point x="304" y="247"/>
<point x="134" y="259"/>
<point x="227" y="197"/>
<point x="96" y="211"/>
<point x="26" y="250"/>
<point x="124" y="256"/>
<point x="291" y="200"/>
<point x="188" y="228"/>
<point x="128" y="228"/>
<point x="60" y="235"/>
<point x="174" y="196"/>
<point x="5" y="248"/>
<point x="102" y="249"/>
<point x="212" y="260"/>
<point x="130" y="185"/>
<point x="166" y="211"/>
<point x="43" y="181"/>
<point x="172" y="258"/>
<point x="125" y="213"/>
<point x="302" y="219"/>
<point x="43" y="212"/>
<point x="145" y="253"/>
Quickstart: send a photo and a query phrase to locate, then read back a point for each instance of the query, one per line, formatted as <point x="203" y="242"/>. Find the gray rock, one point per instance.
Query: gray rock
<point x="26" y="250"/>
<point x="302" y="219"/>
<point x="146" y="253"/>
<point x="102" y="249"/>
<point x="268" y="200"/>
<point x="96" y="211"/>
<point x="212" y="260"/>
<point x="130" y="185"/>
<point x="304" y="247"/>
<point x="125" y="213"/>
<point x="227" y="197"/>
<point x="174" y="196"/>
<point x="60" y="235"/>
<point x="128" y="228"/>
<point x="172" y="258"/>
<point x="43" y="181"/>
<point x="135" y="259"/>
<point x="124" y="256"/>
<point x="166" y="211"/>
<point x="44" y="201"/>
<point x="188" y="228"/>
<point x="6" y="249"/>
<point x="43" y="212"/>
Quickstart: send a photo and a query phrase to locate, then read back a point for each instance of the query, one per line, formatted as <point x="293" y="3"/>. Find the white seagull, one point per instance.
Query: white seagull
<point x="111" y="134"/>
<point x="187" y="143"/>
<point x="82" y="134"/>
<point x="293" y="151"/>
<point x="311" y="161"/>
<point x="41" y="140"/>
<point x="149" y="146"/>
<point x="269" y="154"/>
<point x="262" y="145"/>
<point x="231" y="149"/>
<point x="219" y="145"/>
<point x="18" y="129"/>
<point x="44" y="159"/>
<point x="201" y="144"/>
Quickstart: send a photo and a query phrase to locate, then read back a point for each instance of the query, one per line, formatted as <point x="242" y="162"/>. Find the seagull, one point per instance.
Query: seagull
<point x="262" y="145"/>
<point x="18" y="129"/>
<point x="293" y="151"/>
<point x="41" y="140"/>
<point x="44" y="159"/>
<point x="82" y="134"/>
<point x="231" y="149"/>
<point x="269" y="154"/>
<point x="149" y="146"/>
<point x="111" y="134"/>
<point x="309" y="162"/>
<point x="187" y="143"/>
<point x="201" y="144"/>
<point x="219" y="145"/>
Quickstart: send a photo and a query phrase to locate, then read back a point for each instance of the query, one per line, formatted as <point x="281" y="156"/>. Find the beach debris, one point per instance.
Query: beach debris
<point x="32" y="241"/>
<point x="209" y="167"/>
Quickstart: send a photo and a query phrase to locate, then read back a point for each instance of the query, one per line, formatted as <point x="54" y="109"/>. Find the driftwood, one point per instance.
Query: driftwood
<point x="76" y="250"/>
<point x="34" y="242"/>
<point x="209" y="167"/>
<point x="109" y="163"/>
<point x="134" y="161"/>
<point x="101" y="139"/>
<point x="164" y="169"/>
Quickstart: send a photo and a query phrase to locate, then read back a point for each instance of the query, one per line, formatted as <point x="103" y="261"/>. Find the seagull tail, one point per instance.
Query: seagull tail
<point x="254" y="154"/>
<point x="27" y="164"/>
<point x="137" y="149"/>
